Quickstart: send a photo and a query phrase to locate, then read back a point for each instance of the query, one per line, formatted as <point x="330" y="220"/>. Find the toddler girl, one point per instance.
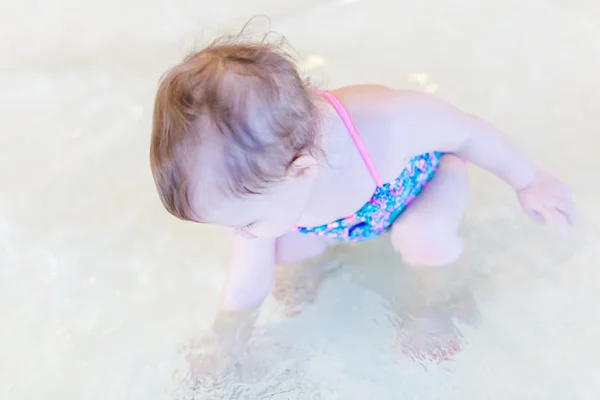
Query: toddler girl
<point x="241" y="140"/>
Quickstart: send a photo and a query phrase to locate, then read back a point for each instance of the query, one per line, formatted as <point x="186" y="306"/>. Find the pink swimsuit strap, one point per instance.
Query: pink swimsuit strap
<point x="339" y="108"/>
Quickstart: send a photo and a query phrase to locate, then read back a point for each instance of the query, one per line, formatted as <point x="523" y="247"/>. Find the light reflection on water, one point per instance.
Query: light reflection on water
<point x="372" y="320"/>
<point x="422" y="309"/>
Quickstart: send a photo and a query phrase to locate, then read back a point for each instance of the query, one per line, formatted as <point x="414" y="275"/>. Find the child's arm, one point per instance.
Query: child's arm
<point x="427" y="124"/>
<point x="249" y="277"/>
<point x="250" y="273"/>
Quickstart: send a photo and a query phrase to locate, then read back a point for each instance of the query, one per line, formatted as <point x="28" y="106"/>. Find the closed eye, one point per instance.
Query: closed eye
<point x="245" y="227"/>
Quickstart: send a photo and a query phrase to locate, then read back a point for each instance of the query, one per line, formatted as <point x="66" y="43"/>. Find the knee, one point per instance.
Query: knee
<point x="427" y="247"/>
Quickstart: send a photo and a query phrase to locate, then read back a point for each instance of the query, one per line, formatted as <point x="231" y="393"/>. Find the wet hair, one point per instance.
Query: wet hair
<point x="248" y="98"/>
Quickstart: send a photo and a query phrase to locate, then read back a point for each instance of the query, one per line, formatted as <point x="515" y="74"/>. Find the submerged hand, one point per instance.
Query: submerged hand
<point x="215" y="354"/>
<point x="547" y="199"/>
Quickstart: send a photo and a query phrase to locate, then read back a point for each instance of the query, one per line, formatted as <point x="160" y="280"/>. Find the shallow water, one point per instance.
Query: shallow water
<point x="105" y="296"/>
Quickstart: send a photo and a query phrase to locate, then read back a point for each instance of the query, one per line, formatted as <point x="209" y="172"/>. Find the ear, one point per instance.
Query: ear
<point x="303" y="167"/>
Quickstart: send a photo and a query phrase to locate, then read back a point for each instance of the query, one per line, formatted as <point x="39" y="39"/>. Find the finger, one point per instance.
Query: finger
<point x="567" y="208"/>
<point x="570" y="217"/>
<point x="558" y="220"/>
<point x="537" y="217"/>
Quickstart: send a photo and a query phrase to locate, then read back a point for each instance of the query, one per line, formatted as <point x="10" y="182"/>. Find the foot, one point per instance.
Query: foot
<point x="429" y="336"/>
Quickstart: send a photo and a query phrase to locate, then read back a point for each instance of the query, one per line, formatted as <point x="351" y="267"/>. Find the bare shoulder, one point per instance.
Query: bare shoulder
<point x="394" y="110"/>
<point x="409" y="122"/>
<point x="380" y="110"/>
<point x="373" y="98"/>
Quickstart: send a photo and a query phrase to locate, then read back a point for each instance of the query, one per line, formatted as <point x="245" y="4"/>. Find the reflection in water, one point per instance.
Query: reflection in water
<point x="242" y="366"/>
<point x="425" y="321"/>
<point x="430" y="334"/>
<point x="296" y="286"/>
<point x="240" y="359"/>
<point x="231" y="361"/>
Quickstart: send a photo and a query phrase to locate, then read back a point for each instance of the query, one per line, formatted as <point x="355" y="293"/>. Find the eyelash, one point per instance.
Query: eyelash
<point x="243" y="228"/>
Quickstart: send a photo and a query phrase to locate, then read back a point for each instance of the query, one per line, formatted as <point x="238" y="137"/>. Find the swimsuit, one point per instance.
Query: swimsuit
<point x="389" y="200"/>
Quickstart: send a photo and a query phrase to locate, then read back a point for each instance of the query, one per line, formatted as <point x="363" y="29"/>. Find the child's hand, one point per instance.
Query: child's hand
<point x="547" y="199"/>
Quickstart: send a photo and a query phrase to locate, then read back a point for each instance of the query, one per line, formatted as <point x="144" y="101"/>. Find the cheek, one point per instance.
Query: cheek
<point x="293" y="202"/>
<point x="295" y="195"/>
<point x="281" y="216"/>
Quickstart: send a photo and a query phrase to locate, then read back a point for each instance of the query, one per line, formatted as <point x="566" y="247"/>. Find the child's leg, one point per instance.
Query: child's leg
<point x="426" y="232"/>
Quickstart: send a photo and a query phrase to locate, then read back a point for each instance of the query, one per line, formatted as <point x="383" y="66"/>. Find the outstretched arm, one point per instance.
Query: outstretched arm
<point x="428" y="124"/>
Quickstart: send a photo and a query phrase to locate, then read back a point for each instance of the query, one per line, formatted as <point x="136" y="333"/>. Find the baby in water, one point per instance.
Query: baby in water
<point x="240" y="139"/>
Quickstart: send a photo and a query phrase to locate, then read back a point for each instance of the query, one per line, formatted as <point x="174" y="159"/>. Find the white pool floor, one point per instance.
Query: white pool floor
<point x="102" y="293"/>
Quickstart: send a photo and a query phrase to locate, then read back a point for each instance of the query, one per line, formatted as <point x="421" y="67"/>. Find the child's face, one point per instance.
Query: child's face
<point x="270" y="214"/>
